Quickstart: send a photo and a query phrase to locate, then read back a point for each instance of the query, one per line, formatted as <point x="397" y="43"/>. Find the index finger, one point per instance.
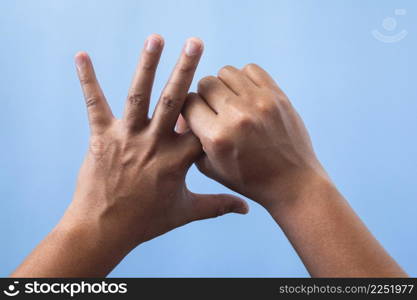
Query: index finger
<point x="173" y="96"/>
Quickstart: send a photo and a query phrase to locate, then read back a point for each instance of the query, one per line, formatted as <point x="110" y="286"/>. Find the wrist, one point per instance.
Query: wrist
<point x="97" y="235"/>
<point x="111" y="225"/>
<point x="297" y="192"/>
<point x="94" y="236"/>
<point x="70" y="250"/>
<point x="86" y="250"/>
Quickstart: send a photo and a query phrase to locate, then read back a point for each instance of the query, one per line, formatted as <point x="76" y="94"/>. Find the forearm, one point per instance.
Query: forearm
<point x="329" y="237"/>
<point x="71" y="250"/>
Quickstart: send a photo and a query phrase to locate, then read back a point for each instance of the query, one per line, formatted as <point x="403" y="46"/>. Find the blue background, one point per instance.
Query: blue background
<point x="357" y="95"/>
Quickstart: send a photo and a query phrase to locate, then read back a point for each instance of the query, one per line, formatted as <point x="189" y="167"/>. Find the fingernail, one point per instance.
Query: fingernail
<point x="152" y="44"/>
<point x="192" y="48"/>
<point x="79" y="61"/>
<point x="241" y="209"/>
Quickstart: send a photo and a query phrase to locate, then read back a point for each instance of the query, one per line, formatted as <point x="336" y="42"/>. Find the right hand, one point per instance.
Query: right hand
<point x="254" y="141"/>
<point x="256" y="144"/>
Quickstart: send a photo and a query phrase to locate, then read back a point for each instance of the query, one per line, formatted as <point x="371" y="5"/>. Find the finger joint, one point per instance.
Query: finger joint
<point x="92" y="101"/>
<point x="137" y="99"/>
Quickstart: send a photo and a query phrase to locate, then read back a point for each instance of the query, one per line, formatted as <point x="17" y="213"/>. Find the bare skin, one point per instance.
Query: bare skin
<point x="131" y="186"/>
<point x="256" y="144"/>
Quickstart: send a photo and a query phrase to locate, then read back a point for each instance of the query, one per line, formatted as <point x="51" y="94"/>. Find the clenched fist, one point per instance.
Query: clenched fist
<point x="253" y="139"/>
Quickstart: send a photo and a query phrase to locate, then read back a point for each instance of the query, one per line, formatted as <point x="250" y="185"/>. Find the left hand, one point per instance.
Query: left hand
<point x="131" y="186"/>
<point x="133" y="179"/>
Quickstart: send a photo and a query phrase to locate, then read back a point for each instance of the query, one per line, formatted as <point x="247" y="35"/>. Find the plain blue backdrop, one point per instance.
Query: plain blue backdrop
<point x="357" y="95"/>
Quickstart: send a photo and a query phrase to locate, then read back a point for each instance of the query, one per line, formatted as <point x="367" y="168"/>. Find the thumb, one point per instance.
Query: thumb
<point x="210" y="206"/>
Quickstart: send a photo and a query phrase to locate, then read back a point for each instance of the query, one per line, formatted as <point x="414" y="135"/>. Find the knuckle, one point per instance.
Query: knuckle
<point x="218" y="143"/>
<point x="265" y="107"/>
<point x="137" y="99"/>
<point x="86" y="80"/>
<point x="225" y="69"/>
<point x="250" y="66"/>
<point x="170" y="102"/>
<point x="244" y="122"/>
<point x="241" y="121"/>
<point x="148" y="65"/>
<point x="206" y="81"/>
<point x="92" y="101"/>
<point x="98" y="145"/>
